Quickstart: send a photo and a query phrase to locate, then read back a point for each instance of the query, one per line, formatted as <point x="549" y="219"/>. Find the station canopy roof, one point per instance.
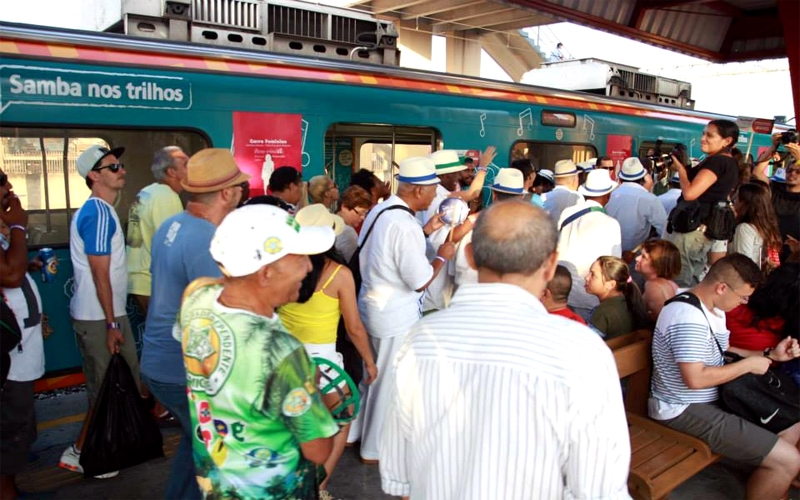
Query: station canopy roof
<point x="716" y="30"/>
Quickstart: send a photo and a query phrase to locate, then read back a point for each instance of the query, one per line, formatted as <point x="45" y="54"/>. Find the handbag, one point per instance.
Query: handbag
<point x="771" y="400"/>
<point x="721" y="222"/>
<point x="685" y="217"/>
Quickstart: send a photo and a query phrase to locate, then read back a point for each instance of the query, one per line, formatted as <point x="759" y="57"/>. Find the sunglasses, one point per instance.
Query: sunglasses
<point x="114" y="167"/>
<point x="3" y="179"/>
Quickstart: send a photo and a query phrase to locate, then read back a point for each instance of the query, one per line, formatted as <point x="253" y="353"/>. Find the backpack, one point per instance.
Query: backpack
<point x="10" y="337"/>
<point x="771" y="400"/>
<point x="355" y="262"/>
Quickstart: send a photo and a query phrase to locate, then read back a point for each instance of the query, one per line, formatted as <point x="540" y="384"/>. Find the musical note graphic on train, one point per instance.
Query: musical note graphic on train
<point x="483" y="128"/>
<point x="589" y="121"/>
<point x="306" y="161"/>
<point x="692" y="144"/>
<point x="525" y="114"/>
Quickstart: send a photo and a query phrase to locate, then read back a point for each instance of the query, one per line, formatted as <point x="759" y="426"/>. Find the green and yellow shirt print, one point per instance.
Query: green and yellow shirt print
<point x="252" y="399"/>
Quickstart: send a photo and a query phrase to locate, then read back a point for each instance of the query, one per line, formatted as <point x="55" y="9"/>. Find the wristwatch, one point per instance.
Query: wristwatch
<point x="114" y="325"/>
<point x="767" y="352"/>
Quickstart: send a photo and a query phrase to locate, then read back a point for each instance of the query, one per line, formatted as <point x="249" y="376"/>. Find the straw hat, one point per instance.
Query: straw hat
<point x="565" y="168"/>
<point x="418" y="170"/>
<point x="212" y="169"/>
<point x="509" y="180"/>
<point x="447" y="162"/>
<point x="632" y="170"/>
<point x="598" y="183"/>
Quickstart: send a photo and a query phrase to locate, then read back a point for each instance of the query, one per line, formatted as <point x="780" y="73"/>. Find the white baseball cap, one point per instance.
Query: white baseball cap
<point x="90" y="158"/>
<point x="253" y="236"/>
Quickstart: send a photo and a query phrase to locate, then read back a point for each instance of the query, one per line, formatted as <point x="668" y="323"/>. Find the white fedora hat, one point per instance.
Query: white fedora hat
<point x="632" y="170"/>
<point x="509" y="180"/>
<point x="565" y="168"/>
<point x="418" y="170"/>
<point x="447" y="162"/>
<point x="779" y="175"/>
<point x="598" y="183"/>
<point x="587" y="164"/>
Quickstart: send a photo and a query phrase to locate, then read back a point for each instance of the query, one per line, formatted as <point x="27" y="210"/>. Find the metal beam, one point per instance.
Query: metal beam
<point x="436" y="6"/>
<point x="481" y="9"/>
<point x="392" y="6"/>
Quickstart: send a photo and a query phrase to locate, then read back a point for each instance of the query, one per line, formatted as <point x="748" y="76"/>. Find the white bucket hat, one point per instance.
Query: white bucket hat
<point x="418" y="170"/>
<point x="632" y="170"/>
<point x="598" y="183"/>
<point x="447" y="162"/>
<point x="509" y="180"/>
<point x="253" y="236"/>
<point x="565" y="168"/>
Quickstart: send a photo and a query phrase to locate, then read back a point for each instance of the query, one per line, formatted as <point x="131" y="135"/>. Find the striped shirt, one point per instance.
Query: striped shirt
<point x="495" y="398"/>
<point x="682" y="335"/>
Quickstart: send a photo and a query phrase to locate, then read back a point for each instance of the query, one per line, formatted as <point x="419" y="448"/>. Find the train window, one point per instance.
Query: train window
<point x="546" y="154"/>
<point x="41" y="166"/>
<point x="352" y="146"/>
<point x="558" y="119"/>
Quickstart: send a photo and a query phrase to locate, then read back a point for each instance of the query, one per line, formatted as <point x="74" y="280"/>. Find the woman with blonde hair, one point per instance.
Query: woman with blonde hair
<point x="322" y="189"/>
<point x="659" y="262"/>
<point x="621" y="308"/>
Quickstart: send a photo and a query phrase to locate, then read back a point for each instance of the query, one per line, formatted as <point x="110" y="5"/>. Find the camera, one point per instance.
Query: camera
<point x="663" y="161"/>
<point x="790" y="136"/>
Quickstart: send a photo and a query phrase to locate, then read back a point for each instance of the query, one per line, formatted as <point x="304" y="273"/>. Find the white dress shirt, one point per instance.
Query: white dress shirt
<point x="494" y="398"/>
<point x="559" y="199"/>
<point x="669" y="199"/>
<point x="581" y="242"/>
<point x="636" y="209"/>
<point x="393" y="266"/>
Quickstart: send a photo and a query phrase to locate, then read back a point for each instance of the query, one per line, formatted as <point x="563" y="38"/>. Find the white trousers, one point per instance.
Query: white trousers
<point x="375" y="397"/>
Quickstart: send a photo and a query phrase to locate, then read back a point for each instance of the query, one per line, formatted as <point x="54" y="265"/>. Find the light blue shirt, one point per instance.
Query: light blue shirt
<point x="636" y="209"/>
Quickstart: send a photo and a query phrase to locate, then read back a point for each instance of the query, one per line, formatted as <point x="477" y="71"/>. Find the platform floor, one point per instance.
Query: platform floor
<point x="60" y="417"/>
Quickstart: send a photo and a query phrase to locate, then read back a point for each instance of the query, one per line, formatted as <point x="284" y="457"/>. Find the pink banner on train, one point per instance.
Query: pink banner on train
<point x="263" y="142"/>
<point x="618" y="147"/>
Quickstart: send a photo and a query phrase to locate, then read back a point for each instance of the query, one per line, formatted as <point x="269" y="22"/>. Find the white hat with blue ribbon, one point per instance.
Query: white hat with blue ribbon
<point x="779" y="175"/>
<point x="632" y="170"/>
<point x="547" y="174"/>
<point x="598" y="183"/>
<point x="418" y="170"/>
<point x="564" y="168"/>
<point x="509" y="180"/>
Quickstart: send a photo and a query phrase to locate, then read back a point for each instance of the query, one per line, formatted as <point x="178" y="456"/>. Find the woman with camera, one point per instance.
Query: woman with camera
<point x="702" y="222"/>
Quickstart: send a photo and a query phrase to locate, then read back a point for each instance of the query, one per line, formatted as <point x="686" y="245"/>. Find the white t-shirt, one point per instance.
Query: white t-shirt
<point x="95" y="230"/>
<point x="682" y="335"/>
<point x="393" y="266"/>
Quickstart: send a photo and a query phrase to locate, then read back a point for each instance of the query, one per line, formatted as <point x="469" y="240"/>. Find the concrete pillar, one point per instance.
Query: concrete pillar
<point x="464" y="54"/>
<point x="415" y="49"/>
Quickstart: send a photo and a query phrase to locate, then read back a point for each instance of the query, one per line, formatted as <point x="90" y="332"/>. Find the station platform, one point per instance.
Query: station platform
<point x="60" y="414"/>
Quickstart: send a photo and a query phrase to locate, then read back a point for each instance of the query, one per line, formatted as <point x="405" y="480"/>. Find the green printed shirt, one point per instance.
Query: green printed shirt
<point x="252" y="399"/>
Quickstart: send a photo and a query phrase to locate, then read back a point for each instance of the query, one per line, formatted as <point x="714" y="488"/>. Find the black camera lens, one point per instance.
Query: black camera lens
<point x="790" y="136"/>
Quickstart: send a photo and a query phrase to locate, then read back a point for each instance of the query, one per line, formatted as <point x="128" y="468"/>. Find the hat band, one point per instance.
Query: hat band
<point x="213" y="182"/>
<point x="412" y="180"/>
<point x="632" y="177"/>
<point x="592" y="190"/>
<point x="571" y="172"/>
<point x="448" y="165"/>
<point x="507" y="189"/>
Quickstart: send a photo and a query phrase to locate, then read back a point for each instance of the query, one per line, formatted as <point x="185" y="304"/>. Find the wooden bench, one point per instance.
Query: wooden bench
<point x="661" y="458"/>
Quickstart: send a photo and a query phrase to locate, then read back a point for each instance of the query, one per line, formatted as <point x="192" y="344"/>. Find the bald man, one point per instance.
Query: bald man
<point x="467" y="375"/>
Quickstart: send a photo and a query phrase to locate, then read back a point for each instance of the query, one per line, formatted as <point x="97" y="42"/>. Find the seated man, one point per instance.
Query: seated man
<point x="688" y="368"/>
<point x="554" y="297"/>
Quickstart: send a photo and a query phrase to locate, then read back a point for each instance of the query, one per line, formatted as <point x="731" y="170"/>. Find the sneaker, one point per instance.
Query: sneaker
<point x="325" y="495"/>
<point x="71" y="460"/>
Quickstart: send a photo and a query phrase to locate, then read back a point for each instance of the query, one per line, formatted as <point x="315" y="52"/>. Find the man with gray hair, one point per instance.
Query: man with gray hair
<point x="153" y="205"/>
<point x="468" y="376"/>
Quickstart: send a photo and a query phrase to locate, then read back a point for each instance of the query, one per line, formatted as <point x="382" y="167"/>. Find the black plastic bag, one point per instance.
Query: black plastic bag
<point x="121" y="433"/>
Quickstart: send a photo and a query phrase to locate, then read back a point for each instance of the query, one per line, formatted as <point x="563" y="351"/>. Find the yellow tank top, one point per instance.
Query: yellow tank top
<point x="316" y="320"/>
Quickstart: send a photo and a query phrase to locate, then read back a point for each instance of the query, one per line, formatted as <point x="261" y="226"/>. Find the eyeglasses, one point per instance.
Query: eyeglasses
<point x="361" y="212"/>
<point x="3" y="179"/>
<point x="743" y="298"/>
<point x="114" y="167"/>
<point x="244" y="185"/>
<point x="795" y="170"/>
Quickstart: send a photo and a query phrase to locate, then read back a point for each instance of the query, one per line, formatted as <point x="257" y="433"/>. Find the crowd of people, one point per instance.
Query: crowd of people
<point x="478" y="347"/>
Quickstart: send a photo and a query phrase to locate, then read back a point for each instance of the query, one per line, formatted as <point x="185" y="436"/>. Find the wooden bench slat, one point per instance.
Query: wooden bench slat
<point x="664" y="461"/>
<point x="645" y="453"/>
<point x="644" y="439"/>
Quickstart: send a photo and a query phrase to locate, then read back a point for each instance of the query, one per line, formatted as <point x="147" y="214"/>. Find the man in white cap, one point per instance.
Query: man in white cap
<point x="565" y="193"/>
<point x="585" y="233"/>
<point x="215" y="186"/>
<point x="259" y="422"/>
<point x="637" y="210"/>
<point x="509" y="184"/>
<point x="97" y="308"/>
<point x="394" y="272"/>
<point x="494" y="398"/>
<point x="670" y="198"/>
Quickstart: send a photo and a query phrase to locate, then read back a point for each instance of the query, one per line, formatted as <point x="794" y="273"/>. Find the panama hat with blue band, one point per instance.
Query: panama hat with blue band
<point x="509" y="180"/>
<point x="565" y="168"/>
<point x="418" y="170"/>
<point x="632" y="170"/>
<point x="598" y="183"/>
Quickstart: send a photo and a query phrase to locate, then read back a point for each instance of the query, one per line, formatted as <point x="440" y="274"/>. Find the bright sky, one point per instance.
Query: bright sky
<point x="759" y="88"/>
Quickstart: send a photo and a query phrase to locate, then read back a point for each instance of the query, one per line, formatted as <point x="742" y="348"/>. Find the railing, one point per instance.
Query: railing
<point x="31" y="163"/>
<point x="545" y="42"/>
